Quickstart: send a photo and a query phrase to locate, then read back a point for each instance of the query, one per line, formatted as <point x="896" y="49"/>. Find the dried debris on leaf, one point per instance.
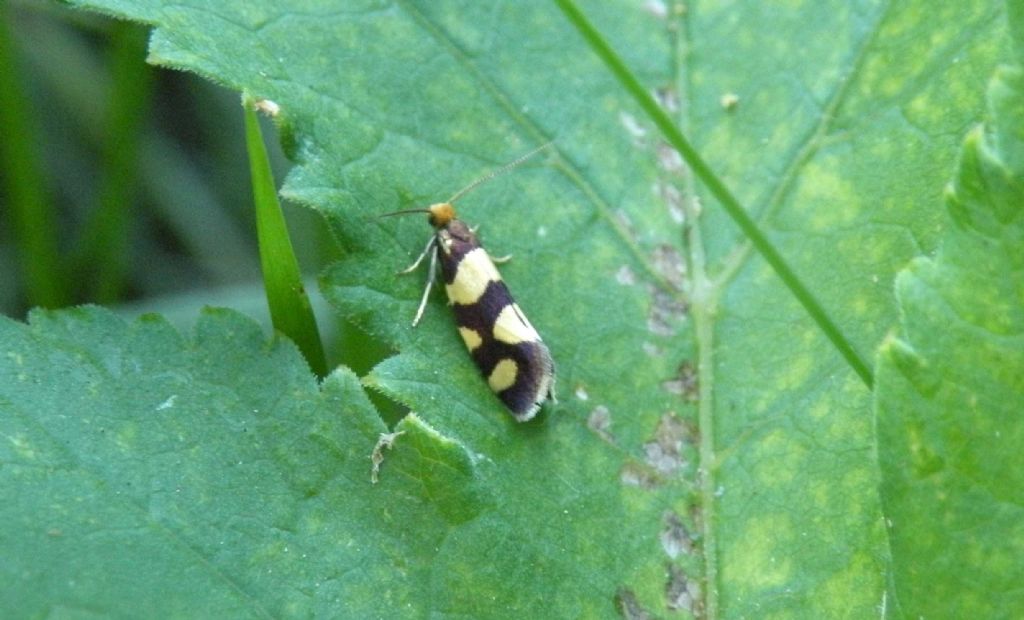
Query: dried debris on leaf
<point x="386" y="440"/>
<point x="665" y="452"/>
<point x="684" y="384"/>
<point x="600" y="421"/>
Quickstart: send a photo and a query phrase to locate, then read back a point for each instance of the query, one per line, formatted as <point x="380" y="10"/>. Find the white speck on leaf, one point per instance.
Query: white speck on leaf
<point x="729" y="101"/>
<point x="633" y="127"/>
<point x="651" y="349"/>
<point x="673" y="200"/>
<point x="625" y="276"/>
<point x="656" y="8"/>
<point x="167" y="404"/>
<point x="669" y="159"/>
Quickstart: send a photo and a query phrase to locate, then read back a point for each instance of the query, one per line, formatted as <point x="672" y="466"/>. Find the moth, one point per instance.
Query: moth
<point x="503" y="344"/>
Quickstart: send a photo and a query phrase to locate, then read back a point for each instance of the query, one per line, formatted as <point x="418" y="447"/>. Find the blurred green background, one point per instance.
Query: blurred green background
<point x="126" y="185"/>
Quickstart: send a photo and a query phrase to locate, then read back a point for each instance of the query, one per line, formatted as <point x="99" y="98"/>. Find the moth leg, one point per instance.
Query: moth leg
<point x="431" y="276"/>
<point x="423" y="254"/>
<point x="497" y="260"/>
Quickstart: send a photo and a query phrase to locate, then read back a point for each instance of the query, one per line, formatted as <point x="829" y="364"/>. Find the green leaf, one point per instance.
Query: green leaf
<point x="951" y="385"/>
<point x="171" y="475"/>
<point x="211" y="473"/>
<point x="716" y="188"/>
<point x="672" y="339"/>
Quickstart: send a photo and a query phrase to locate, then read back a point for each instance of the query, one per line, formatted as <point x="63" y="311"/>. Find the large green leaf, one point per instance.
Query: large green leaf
<point x="146" y="474"/>
<point x="951" y="389"/>
<point x="844" y="155"/>
<point x="657" y="313"/>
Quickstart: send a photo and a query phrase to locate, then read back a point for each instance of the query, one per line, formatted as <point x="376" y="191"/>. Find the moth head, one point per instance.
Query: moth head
<point x="441" y="214"/>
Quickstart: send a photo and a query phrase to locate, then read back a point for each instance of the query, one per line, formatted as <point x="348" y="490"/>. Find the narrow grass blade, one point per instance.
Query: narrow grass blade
<point x="290" y="309"/>
<point x="718" y="189"/>
<point x="106" y="239"/>
<point x="32" y="219"/>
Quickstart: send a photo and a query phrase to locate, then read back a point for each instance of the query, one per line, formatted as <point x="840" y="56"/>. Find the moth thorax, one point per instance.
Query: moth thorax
<point x="441" y="214"/>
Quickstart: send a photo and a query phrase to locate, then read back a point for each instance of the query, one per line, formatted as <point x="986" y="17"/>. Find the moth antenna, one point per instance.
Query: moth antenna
<point x="404" y="212"/>
<point x="490" y="175"/>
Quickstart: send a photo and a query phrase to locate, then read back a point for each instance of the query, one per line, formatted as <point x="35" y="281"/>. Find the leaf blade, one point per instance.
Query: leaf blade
<point x="948" y="403"/>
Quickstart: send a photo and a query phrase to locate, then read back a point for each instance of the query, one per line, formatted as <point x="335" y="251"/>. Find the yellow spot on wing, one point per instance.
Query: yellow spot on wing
<point x="470" y="337"/>
<point x="504" y="375"/>
<point x="471" y="278"/>
<point x="511" y="326"/>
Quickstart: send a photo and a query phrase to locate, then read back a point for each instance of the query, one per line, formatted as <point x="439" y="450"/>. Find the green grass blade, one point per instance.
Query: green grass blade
<point x="290" y="309"/>
<point x="32" y="219"/>
<point x="718" y="189"/>
<point x="106" y="239"/>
